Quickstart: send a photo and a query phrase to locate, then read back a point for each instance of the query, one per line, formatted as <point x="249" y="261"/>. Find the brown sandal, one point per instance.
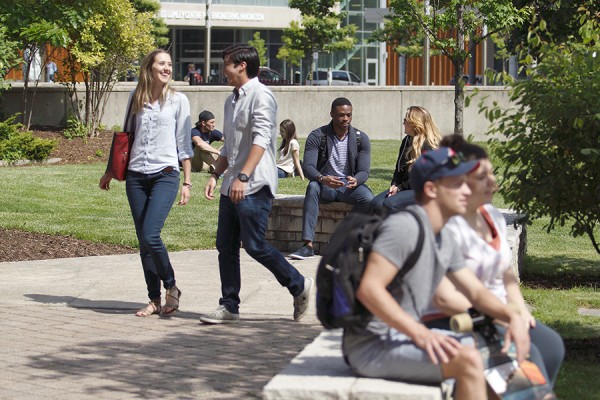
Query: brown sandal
<point x="172" y="301"/>
<point x="153" y="307"/>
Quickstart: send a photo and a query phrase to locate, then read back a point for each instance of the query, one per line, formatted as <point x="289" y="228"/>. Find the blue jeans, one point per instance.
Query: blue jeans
<point x="150" y="199"/>
<point x="317" y="193"/>
<point x="399" y="200"/>
<point x="247" y="222"/>
<point x="281" y="173"/>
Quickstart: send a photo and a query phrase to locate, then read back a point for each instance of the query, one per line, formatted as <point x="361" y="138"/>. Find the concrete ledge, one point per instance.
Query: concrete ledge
<point x="319" y="372"/>
<point x="285" y="227"/>
<point x="285" y="223"/>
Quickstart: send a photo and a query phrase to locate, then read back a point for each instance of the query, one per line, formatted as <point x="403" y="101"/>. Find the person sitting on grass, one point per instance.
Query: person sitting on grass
<point x="288" y="163"/>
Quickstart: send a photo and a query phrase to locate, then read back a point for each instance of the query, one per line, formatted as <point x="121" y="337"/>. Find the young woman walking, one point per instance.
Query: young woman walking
<point x="162" y="139"/>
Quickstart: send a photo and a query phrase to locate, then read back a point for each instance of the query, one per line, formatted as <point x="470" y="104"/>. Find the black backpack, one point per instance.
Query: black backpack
<point x="343" y="264"/>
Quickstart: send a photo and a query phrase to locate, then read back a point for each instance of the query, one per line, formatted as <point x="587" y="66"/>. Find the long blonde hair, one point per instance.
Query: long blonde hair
<point x="143" y="90"/>
<point x="426" y="132"/>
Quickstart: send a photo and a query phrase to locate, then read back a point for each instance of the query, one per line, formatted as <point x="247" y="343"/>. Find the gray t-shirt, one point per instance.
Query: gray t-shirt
<point x="396" y="241"/>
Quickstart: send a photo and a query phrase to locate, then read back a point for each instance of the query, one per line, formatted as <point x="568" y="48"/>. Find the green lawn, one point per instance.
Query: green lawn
<point x="66" y="200"/>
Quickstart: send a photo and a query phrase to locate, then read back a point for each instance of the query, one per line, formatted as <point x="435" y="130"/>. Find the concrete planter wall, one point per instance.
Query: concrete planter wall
<point x="378" y="110"/>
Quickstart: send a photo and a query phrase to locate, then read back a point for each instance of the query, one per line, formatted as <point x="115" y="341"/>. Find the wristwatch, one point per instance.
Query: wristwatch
<point x="243" y="177"/>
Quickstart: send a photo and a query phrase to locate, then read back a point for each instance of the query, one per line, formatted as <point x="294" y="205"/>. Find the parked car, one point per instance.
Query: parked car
<point x="269" y="76"/>
<point x="338" y="78"/>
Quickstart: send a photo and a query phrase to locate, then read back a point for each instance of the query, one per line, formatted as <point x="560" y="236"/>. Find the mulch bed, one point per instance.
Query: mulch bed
<point x="17" y="245"/>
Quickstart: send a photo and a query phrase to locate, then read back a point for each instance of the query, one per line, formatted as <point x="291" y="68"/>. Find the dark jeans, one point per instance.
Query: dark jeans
<point x="150" y="199"/>
<point x="547" y="348"/>
<point x="399" y="200"/>
<point x="281" y="173"/>
<point x="317" y="193"/>
<point x="247" y="222"/>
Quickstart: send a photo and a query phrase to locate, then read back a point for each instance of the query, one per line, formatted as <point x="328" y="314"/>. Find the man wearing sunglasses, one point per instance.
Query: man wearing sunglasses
<point x="395" y="344"/>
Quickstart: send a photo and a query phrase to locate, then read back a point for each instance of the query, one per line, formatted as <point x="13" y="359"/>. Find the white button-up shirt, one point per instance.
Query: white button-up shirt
<point x="162" y="135"/>
<point x="250" y="120"/>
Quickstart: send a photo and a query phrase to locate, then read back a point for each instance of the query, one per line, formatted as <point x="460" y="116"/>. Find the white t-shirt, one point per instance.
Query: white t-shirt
<point x="286" y="161"/>
<point x="488" y="263"/>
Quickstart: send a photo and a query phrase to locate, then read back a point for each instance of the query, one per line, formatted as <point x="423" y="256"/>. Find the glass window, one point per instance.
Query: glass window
<point x="353" y="77"/>
<point x="339" y="76"/>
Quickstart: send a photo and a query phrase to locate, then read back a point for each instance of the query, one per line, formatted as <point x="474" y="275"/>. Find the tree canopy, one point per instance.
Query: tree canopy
<point x="550" y="138"/>
<point x="454" y="28"/>
<point x="320" y="30"/>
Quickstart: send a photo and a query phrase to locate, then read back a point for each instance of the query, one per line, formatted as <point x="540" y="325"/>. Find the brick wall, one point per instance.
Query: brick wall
<point x="285" y="223"/>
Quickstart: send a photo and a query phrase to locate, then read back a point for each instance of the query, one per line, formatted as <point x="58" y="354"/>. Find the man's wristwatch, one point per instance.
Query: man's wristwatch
<point x="320" y="178"/>
<point x="243" y="177"/>
<point x="215" y="175"/>
<point x="189" y="185"/>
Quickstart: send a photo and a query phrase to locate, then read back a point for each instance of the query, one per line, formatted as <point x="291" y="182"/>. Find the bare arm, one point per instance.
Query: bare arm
<point x="514" y="295"/>
<point x="204" y="146"/>
<point x="220" y="167"/>
<point x="373" y="294"/>
<point x="482" y="299"/>
<point x="185" y="190"/>
<point x="296" y="157"/>
<point x="449" y="300"/>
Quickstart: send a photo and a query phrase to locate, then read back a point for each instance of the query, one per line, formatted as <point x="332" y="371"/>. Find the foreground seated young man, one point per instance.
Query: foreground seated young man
<point x="395" y="344"/>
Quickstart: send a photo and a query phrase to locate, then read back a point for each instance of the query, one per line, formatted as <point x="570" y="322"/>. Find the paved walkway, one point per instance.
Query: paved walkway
<point x="68" y="331"/>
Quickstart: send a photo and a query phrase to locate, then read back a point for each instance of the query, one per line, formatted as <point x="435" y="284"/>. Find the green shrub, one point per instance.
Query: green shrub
<point x="9" y="128"/>
<point x="75" y="128"/>
<point x="16" y="145"/>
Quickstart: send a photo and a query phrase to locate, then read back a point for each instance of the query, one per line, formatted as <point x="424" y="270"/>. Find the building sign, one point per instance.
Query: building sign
<point x="214" y="15"/>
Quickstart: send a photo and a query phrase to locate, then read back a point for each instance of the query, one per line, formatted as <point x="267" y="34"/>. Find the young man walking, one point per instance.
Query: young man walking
<point x="249" y="183"/>
<point x="396" y="344"/>
<point x="337" y="159"/>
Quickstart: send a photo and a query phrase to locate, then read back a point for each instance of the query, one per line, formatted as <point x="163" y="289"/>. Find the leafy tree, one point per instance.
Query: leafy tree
<point x="550" y="138"/>
<point x="105" y="37"/>
<point x="160" y="30"/>
<point x="259" y="45"/>
<point x="320" y="31"/>
<point x="9" y="50"/>
<point x="559" y="17"/>
<point x="31" y="25"/>
<point x="454" y="29"/>
<point x="288" y="52"/>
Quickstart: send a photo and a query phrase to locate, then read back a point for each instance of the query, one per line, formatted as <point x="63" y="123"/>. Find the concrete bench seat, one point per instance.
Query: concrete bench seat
<point x="319" y="372"/>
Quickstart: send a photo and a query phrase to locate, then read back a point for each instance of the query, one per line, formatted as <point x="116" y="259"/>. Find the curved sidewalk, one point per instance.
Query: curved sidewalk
<point x="68" y="331"/>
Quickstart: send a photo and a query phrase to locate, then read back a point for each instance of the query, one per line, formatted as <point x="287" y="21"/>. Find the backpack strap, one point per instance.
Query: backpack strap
<point x="322" y="157"/>
<point x="412" y="259"/>
<point x="414" y="256"/>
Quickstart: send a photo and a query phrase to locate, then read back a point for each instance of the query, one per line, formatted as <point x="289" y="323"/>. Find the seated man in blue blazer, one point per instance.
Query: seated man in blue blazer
<point x="337" y="159"/>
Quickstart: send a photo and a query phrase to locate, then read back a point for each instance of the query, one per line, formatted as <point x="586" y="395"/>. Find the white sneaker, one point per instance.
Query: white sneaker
<point x="220" y="316"/>
<point x="302" y="300"/>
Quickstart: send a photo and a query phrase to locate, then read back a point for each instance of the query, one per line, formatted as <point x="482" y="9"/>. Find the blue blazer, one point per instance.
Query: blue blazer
<point x="359" y="159"/>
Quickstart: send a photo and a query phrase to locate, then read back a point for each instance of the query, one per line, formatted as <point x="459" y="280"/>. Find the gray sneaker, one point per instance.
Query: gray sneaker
<point x="220" y="316"/>
<point x="302" y="300"/>
<point x="303" y="253"/>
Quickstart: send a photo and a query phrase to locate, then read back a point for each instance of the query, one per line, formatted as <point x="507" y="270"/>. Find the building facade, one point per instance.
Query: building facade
<point x="226" y="22"/>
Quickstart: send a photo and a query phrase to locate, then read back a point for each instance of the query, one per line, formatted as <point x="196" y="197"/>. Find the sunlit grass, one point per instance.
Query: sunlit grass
<point x="65" y="200"/>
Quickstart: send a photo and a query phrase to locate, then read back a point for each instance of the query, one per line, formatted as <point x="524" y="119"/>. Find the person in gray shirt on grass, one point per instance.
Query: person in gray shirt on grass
<point x="396" y="344"/>
<point x="248" y="160"/>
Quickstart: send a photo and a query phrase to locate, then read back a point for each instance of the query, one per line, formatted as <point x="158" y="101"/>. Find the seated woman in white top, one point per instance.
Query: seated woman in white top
<point x="481" y="234"/>
<point x="288" y="161"/>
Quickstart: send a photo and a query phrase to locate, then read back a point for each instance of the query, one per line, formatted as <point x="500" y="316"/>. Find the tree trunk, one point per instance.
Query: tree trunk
<point x="459" y="96"/>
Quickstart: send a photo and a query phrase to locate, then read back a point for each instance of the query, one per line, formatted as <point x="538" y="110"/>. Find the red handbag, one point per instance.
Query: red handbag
<point x="120" y="149"/>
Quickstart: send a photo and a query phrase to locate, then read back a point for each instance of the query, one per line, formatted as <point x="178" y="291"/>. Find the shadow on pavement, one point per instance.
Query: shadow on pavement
<point x="148" y="358"/>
